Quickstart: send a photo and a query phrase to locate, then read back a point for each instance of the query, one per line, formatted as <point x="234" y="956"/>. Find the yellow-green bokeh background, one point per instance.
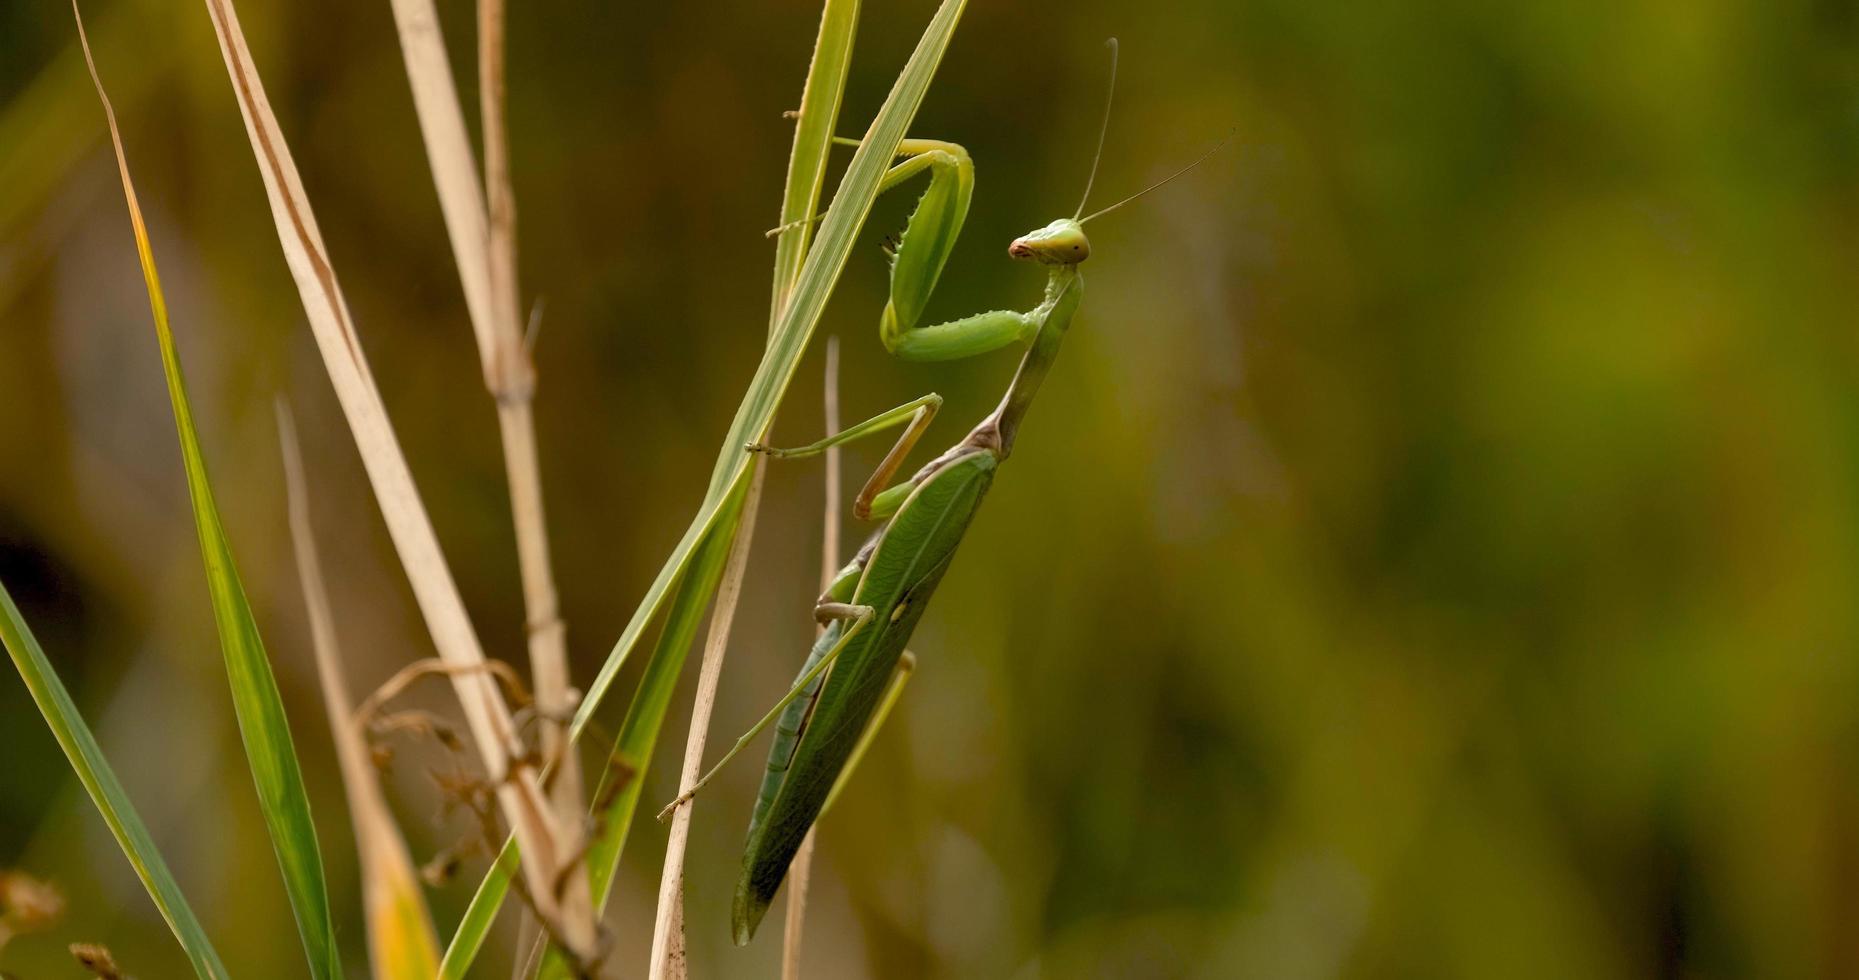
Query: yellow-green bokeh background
<point x="1434" y="555"/>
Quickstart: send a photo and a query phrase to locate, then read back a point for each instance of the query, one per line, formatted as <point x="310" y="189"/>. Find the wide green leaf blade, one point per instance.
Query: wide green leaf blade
<point x="263" y="728"/>
<point x="632" y="748"/>
<point x="820" y="100"/>
<point x="99" y="780"/>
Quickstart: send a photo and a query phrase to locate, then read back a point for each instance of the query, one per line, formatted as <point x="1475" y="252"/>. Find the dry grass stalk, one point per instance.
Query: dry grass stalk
<point x="668" y="962"/>
<point x="512" y="383"/>
<point x="801" y="868"/>
<point x="481" y="223"/>
<point x="520" y="797"/>
<point x="405" y="677"/>
<point x="448" y="152"/>
<point x="401" y="938"/>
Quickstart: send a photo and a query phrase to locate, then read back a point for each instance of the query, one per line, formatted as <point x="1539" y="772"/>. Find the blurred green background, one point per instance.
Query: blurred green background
<point x="1433" y="556"/>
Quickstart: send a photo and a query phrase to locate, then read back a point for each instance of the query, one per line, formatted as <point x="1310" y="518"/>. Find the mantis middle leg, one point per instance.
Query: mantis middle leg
<point x="917" y="413"/>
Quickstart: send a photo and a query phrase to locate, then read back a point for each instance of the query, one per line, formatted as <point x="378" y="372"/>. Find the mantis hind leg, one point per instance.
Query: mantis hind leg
<point x="805" y="687"/>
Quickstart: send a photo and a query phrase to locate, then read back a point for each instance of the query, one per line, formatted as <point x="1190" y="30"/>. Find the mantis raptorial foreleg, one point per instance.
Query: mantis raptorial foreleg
<point x="859" y="617"/>
<point x="952" y="157"/>
<point x="918" y="258"/>
<point x="916" y="412"/>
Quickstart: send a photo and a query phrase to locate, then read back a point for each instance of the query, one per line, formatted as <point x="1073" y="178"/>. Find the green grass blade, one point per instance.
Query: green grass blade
<point x="813" y="142"/>
<point x="262" y="726"/>
<point x="632" y="748"/>
<point x="479" y="916"/>
<point x="99" y="780"/>
<point x="816" y="122"/>
<point x="827" y="259"/>
<point x="821" y="97"/>
<point x="645" y="718"/>
<point x="818" y="275"/>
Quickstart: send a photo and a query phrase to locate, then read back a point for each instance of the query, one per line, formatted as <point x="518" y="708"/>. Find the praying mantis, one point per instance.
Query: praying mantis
<point x="872" y="606"/>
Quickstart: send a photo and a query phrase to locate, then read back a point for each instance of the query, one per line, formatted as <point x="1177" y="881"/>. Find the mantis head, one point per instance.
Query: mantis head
<point x="1059" y="243"/>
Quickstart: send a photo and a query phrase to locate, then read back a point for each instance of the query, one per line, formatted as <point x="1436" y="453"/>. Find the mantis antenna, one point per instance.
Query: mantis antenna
<point x="1203" y="159"/>
<point x="1103" y="130"/>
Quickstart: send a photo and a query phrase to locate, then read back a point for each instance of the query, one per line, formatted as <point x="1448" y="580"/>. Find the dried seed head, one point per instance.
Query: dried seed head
<point x="421" y="724"/>
<point x="97" y="959"/>
<point x="442" y="868"/>
<point x="459" y="789"/>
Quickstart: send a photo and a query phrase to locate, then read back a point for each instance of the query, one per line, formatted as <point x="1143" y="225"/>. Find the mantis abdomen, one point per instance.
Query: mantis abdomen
<point x="793" y="722"/>
<point x="898" y="580"/>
